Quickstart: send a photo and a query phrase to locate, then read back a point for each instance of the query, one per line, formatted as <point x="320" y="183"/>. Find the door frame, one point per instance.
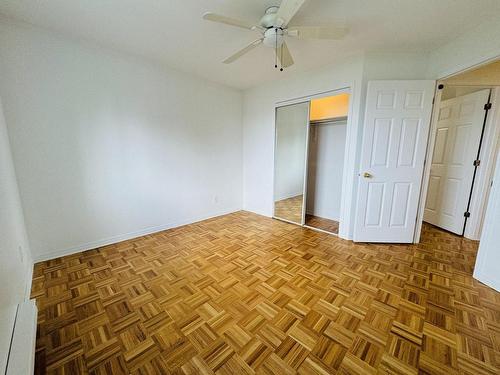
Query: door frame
<point x="350" y="154"/>
<point x="480" y="191"/>
<point x="484" y="176"/>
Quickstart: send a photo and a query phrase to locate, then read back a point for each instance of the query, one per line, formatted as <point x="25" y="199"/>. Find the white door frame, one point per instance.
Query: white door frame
<point x="487" y="256"/>
<point x="482" y="184"/>
<point x="350" y="152"/>
<point x="484" y="173"/>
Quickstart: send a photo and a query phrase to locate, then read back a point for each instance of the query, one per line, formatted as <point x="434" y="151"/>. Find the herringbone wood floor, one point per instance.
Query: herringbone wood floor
<point x="244" y="294"/>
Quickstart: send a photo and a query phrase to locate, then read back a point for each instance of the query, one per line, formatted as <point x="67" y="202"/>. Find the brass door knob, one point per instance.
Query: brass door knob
<point x="367" y="175"/>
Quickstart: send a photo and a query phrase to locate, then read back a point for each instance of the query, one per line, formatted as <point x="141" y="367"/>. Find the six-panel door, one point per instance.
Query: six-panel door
<point x="459" y="125"/>
<point x="395" y="132"/>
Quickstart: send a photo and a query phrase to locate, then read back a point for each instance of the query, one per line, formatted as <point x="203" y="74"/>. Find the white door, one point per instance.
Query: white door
<point x="395" y="133"/>
<point x="459" y="126"/>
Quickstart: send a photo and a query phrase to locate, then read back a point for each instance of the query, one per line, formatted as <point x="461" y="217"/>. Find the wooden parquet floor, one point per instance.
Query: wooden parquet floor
<point x="289" y="209"/>
<point x="329" y="225"/>
<point x="245" y="294"/>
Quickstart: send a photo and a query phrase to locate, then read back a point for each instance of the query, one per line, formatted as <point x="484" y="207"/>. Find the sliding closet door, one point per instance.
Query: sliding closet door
<point x="292" y="123"/>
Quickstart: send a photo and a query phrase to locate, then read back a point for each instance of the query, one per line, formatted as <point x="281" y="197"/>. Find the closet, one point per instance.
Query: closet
<point x="309" y="161"/>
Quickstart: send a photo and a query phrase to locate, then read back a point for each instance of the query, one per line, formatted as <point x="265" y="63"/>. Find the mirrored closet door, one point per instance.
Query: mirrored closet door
<point x="290" y="161"/>
<point x="309" y="162"/>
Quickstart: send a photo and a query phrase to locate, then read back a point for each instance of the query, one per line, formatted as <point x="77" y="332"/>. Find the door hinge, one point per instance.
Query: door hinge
<point x="433" y="100"/>
<point x="487" y="106"/>
<point x="467" y="214"/>
<point x="476" y="163"/>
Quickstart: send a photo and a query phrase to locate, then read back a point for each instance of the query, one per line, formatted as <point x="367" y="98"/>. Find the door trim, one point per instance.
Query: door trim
<point x="427" y="164"/>
<point x="482" y="185"/>
<point x="482" y="272"/>
<point x="306" y="167"/>
<point x="475" y="175"/>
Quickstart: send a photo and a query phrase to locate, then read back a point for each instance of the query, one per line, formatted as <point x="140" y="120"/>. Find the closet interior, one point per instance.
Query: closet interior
<point x="309" y="161"/>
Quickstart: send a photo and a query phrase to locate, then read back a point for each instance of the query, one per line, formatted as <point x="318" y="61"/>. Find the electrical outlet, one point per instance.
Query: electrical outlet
<point x="216" y="199"/>
<point x="21" y="253"/>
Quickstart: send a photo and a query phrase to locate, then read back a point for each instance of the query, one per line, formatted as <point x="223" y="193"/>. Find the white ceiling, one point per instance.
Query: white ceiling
<point x="172" y="31"/>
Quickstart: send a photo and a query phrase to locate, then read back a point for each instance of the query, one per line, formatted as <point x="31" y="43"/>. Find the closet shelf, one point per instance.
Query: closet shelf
<point x="332" y="120"/>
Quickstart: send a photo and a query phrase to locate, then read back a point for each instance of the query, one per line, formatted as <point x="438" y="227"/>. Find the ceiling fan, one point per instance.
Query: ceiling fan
<point x="274" y="28"/>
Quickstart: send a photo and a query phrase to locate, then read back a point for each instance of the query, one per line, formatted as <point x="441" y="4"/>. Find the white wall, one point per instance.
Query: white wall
<point x="108" y="146"/>
<point x="472" y="47"/>
<point x="391" y="66"/>
<point x="15" y="258"/>
<point x="291" y="135"/>
<point x="325" y="169"/>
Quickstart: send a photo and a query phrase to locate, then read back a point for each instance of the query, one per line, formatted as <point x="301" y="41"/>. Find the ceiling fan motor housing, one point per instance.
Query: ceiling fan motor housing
<point x="269" y="19"/>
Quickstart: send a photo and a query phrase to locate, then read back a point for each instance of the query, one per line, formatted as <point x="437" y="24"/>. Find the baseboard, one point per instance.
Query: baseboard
<point x="127" y="236"/>
<point x="21" y="360"/>
<point x="309" y="212"/>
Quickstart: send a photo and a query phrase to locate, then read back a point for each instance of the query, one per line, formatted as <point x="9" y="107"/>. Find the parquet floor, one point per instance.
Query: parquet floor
<point x="331" y="226"/>
<point x="289" y="209"/>
<point x="245" y="294"/>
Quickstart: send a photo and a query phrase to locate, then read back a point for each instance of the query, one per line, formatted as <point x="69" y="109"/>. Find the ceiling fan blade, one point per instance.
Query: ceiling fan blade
<point x="312" y="32"/>
<point x="284" y="56"/>
<point x="287" y="10"/>
<point x="228" y="20"/>
<point x="241" y="52"/>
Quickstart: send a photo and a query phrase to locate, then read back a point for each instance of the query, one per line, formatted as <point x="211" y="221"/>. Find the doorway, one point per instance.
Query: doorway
<point x="461" y="117"/>
<point x="462" y="149"/>
<point x="326" y="154"/>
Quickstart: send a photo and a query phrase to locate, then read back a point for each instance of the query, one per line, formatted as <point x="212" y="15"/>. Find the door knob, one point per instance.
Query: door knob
<point x="367" y="175"/>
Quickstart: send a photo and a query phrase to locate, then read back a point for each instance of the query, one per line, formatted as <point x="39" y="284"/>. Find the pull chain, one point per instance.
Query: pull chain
<point x="276" y="49"/>
<point x="281" y="59"/>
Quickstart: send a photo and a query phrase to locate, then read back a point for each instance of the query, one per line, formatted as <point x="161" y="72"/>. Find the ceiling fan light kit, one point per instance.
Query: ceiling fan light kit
<point x="274" y="37"/>
<point x="273" y="27"/>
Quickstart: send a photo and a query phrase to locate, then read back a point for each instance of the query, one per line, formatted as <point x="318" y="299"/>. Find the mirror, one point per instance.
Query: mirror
<point x="290" y="161"/>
